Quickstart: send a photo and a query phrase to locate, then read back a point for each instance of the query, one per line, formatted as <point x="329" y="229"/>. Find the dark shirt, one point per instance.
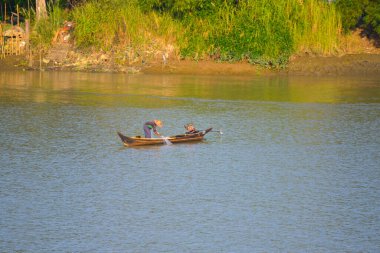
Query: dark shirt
<point x="192" y="132"/>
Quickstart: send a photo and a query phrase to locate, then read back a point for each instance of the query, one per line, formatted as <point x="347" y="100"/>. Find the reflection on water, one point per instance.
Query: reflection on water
<point x="149" y="90"/>
<point x="296" y="169"/>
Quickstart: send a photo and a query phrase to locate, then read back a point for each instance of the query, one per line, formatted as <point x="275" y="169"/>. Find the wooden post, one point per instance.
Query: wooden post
<point x="27" y="32"/>
<point x="1" y="42"/>
<point x="17" y="45"/>
<point x="5" y="15"/>
<point x="40" y="58"/>
<point x="13" y="44"/>
<point x="40" y="49"/>
<point x="18" y="16"/>
<point x="27" y="45"/>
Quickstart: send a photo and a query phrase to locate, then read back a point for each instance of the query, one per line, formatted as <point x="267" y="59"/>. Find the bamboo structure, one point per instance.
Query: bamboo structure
<point x="12" y="41"/>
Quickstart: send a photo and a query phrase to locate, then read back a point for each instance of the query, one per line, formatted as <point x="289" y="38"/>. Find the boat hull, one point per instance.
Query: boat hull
<point x="140" y="141"/>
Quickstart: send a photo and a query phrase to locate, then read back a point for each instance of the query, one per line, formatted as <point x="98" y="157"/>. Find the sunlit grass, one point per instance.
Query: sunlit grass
<point x="265" y="32"/>
<point x="314" y="25"/>
<point x="44" y="29"/>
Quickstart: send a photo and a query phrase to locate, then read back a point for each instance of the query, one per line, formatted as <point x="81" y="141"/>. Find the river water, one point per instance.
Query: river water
<point x="297" y="168"/>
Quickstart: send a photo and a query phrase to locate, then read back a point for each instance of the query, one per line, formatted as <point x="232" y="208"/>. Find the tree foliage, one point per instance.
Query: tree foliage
<point x="352" y="11"/>
<point x="181" y="8"/>
<point x="360" y="14"/>
<point x="267" y="32"/>
<point x="371" y="19"/>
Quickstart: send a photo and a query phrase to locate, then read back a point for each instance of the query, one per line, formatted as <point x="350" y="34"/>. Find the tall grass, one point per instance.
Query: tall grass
<point x="266" y="32"/>
<point x="106" y="24"/>
<point x="96" y="24"/>
<point x="314" y="25"/>
<point x="44" y="29"/>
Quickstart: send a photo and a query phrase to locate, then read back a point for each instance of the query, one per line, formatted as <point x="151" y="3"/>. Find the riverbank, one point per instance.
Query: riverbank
<point x="351" y="64"/>
<point x="354" y="64"/>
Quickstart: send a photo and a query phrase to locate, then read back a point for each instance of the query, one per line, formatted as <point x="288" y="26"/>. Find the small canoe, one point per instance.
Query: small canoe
<point x="141" y="141"/>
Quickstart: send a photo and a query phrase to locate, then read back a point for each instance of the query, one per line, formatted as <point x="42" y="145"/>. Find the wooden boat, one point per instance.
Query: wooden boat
<point x="141" y="141"/>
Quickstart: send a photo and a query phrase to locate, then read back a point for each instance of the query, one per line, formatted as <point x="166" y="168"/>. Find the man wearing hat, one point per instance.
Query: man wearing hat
<point x="152" y="125"/>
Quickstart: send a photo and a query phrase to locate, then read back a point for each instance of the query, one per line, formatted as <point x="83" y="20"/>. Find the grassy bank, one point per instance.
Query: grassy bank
<point x="265" y="32"/>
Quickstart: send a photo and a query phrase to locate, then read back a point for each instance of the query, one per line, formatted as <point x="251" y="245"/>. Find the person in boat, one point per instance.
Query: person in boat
<point x="152" y="125"/>
<point x="190" y="128"/>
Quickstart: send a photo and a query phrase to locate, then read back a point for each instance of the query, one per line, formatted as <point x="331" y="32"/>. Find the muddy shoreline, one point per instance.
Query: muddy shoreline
<point x="306" y="65"/>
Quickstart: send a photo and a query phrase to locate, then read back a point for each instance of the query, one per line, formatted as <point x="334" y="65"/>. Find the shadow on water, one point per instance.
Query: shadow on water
<point x="160" y="146"/>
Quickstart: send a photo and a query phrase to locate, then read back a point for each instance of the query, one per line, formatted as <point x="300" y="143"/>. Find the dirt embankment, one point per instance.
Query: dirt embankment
<point x="361" y="57"/>
<point x="354" y="64"/>
<point x="358" y="64"/>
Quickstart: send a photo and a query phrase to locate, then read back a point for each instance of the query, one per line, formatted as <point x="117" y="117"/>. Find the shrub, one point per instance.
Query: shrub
<point x="360" y="14"/>
<point x="44" y="29"/>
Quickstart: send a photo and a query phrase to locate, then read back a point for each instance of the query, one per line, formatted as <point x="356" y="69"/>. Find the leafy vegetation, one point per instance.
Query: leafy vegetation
<point x="261" y="31"/>
<point x="265" y="32"/>
<point x="360" y="14"/>
<point x="122" y="27"/>
<point x="44" y="30"/>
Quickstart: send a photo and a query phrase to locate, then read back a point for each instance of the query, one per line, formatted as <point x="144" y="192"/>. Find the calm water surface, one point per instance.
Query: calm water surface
<point x="296" y="170"/>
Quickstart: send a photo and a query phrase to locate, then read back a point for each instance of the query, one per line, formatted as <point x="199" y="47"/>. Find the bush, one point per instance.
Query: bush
<point x="121" y="26"/>
<point x="266" y="32"/>
<point x="371" y="19"/>
<point x="44" y="29"/>
<point x="351" y="11"/>
<point x="360" y="14"/>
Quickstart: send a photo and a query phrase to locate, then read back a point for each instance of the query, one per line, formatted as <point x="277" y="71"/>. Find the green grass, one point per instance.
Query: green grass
<point x="314" y="25"/>
<point x="43" y="30"/>
<point x="265" y="32"/>
<point x="122" y="27"/>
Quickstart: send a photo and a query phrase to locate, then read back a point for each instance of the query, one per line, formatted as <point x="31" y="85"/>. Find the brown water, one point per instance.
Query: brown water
<point x="296" y="169"/>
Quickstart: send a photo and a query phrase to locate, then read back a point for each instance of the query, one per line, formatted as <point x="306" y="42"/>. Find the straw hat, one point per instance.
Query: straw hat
<point x="158" y="122"/>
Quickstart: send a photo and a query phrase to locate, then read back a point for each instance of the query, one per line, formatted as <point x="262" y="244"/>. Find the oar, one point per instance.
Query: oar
<point x="219" y="131"/>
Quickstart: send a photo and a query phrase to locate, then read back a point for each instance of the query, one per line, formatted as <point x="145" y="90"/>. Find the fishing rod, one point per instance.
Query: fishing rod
<point x="215" y="131"/>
